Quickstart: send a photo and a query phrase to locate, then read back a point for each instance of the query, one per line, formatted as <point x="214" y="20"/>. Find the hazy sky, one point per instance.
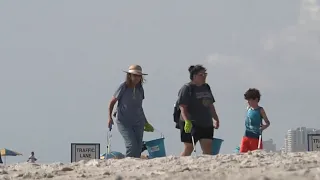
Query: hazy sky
<point x="61" y="61"/>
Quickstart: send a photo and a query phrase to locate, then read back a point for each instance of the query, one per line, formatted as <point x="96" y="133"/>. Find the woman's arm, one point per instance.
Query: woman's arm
<point x="183" y="102"/>
<point x="216" y="121"/>
<point x="184" y="112"/>
<point x="117" y="95"/>
<point x="214" y="112"/>
<point x="144" y="115"/>
<point x="212" y="107"/>
<point x="111" y="105"/>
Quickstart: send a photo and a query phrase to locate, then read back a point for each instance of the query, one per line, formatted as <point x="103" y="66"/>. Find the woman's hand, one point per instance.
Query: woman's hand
<point x="148" y="127"/>
<point x="187" y="126"/>
<point x="110" y="123"/>
<point x="216" y="124"/>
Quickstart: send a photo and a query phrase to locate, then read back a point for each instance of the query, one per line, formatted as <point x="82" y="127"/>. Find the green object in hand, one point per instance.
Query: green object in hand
<point x="148" y="127"/>
<point x="187" y="126"/>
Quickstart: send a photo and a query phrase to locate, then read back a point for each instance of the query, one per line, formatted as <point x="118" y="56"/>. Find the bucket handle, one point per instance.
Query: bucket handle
<point x="156" y="130"/>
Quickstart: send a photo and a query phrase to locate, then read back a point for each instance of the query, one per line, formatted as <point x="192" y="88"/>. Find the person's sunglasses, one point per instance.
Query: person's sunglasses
<point x="203" y="74"/>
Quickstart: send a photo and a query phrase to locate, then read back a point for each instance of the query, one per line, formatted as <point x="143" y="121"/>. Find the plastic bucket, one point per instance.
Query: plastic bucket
<point x="216" y="145"/>
<point x="156" y="148"/>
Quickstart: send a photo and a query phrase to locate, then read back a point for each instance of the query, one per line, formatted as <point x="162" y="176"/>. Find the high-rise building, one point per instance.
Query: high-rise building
<point x="290" y="140"/>
<point x="269" y="146"/>
<point x="296" y="140"/>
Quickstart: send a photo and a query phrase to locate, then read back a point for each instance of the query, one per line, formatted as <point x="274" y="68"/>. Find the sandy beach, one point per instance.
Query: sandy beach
<point x="256" y="165"/>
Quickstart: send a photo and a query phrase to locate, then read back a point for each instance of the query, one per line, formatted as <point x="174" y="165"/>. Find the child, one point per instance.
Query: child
<point x="32" y="158"/>
<point x="253" y="123"/>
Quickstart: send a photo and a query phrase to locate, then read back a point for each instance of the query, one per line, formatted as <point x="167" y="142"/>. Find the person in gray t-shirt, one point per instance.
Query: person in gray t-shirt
<point x="197" y="112"/>
<point x="130" y="117"/>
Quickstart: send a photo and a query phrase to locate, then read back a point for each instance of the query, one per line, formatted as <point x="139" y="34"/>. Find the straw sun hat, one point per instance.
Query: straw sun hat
<point x="135" y="69"/>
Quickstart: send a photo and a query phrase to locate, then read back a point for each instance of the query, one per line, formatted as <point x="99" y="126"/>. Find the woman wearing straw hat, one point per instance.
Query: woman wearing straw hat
<point x="130" y="118"/>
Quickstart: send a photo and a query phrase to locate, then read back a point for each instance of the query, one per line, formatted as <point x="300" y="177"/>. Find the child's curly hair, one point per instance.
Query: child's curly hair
<point x="252" y="93"/>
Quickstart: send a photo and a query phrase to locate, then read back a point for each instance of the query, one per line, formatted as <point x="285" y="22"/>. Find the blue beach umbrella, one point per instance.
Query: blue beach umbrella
<point x="7" y="152"/>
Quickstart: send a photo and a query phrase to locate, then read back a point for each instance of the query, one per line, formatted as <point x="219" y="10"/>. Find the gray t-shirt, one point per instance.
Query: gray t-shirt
<point x="129" y="109"/>
<point x="198" y="103"/>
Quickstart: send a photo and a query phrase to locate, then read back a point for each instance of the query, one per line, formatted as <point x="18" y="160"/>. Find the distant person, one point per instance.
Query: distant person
<point x="1" y="162"/>
<point x="198" y="115"/>
<point x="32" y="158"/>
<point x="130" y="116"/>
<point x="253" y="122"/>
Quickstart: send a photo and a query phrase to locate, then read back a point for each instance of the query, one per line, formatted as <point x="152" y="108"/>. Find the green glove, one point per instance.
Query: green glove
<point x="187" y="126"/>
<point x="148" y="127"/>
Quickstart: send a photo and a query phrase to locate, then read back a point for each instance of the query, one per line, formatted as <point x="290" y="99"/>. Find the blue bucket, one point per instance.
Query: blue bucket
<point x="156" y="148"/>
<point x="216" y="145"/>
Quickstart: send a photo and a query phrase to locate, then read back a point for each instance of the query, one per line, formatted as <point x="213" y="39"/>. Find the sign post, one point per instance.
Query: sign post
<point x="313" y="142"/>
<point x="84" y="151"/>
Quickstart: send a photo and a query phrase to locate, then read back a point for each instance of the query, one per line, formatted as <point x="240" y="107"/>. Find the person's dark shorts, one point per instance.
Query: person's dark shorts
<point x="197" y="132"/>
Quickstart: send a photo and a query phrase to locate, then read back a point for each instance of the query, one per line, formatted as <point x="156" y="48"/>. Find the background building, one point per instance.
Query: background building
<point x="269" y="146"/>
<point x="296" y="140"/>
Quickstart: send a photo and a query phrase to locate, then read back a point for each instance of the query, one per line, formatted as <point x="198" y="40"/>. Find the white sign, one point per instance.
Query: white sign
<point x="84" y="151"/>
<point x="313" y="142"/>
<point x="154" y="148"/>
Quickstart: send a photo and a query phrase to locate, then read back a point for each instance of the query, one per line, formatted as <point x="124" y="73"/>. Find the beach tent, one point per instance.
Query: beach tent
<point x="6" y="152"/>
<point x="237" y="150"/>
<point x="112" y="155"/>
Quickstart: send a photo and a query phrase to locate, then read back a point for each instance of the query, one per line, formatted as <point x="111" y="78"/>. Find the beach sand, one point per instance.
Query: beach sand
<point x="257" y="165"/>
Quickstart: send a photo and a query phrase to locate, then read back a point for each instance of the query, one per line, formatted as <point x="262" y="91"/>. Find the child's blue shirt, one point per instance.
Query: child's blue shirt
<point x="253" y="122"/>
